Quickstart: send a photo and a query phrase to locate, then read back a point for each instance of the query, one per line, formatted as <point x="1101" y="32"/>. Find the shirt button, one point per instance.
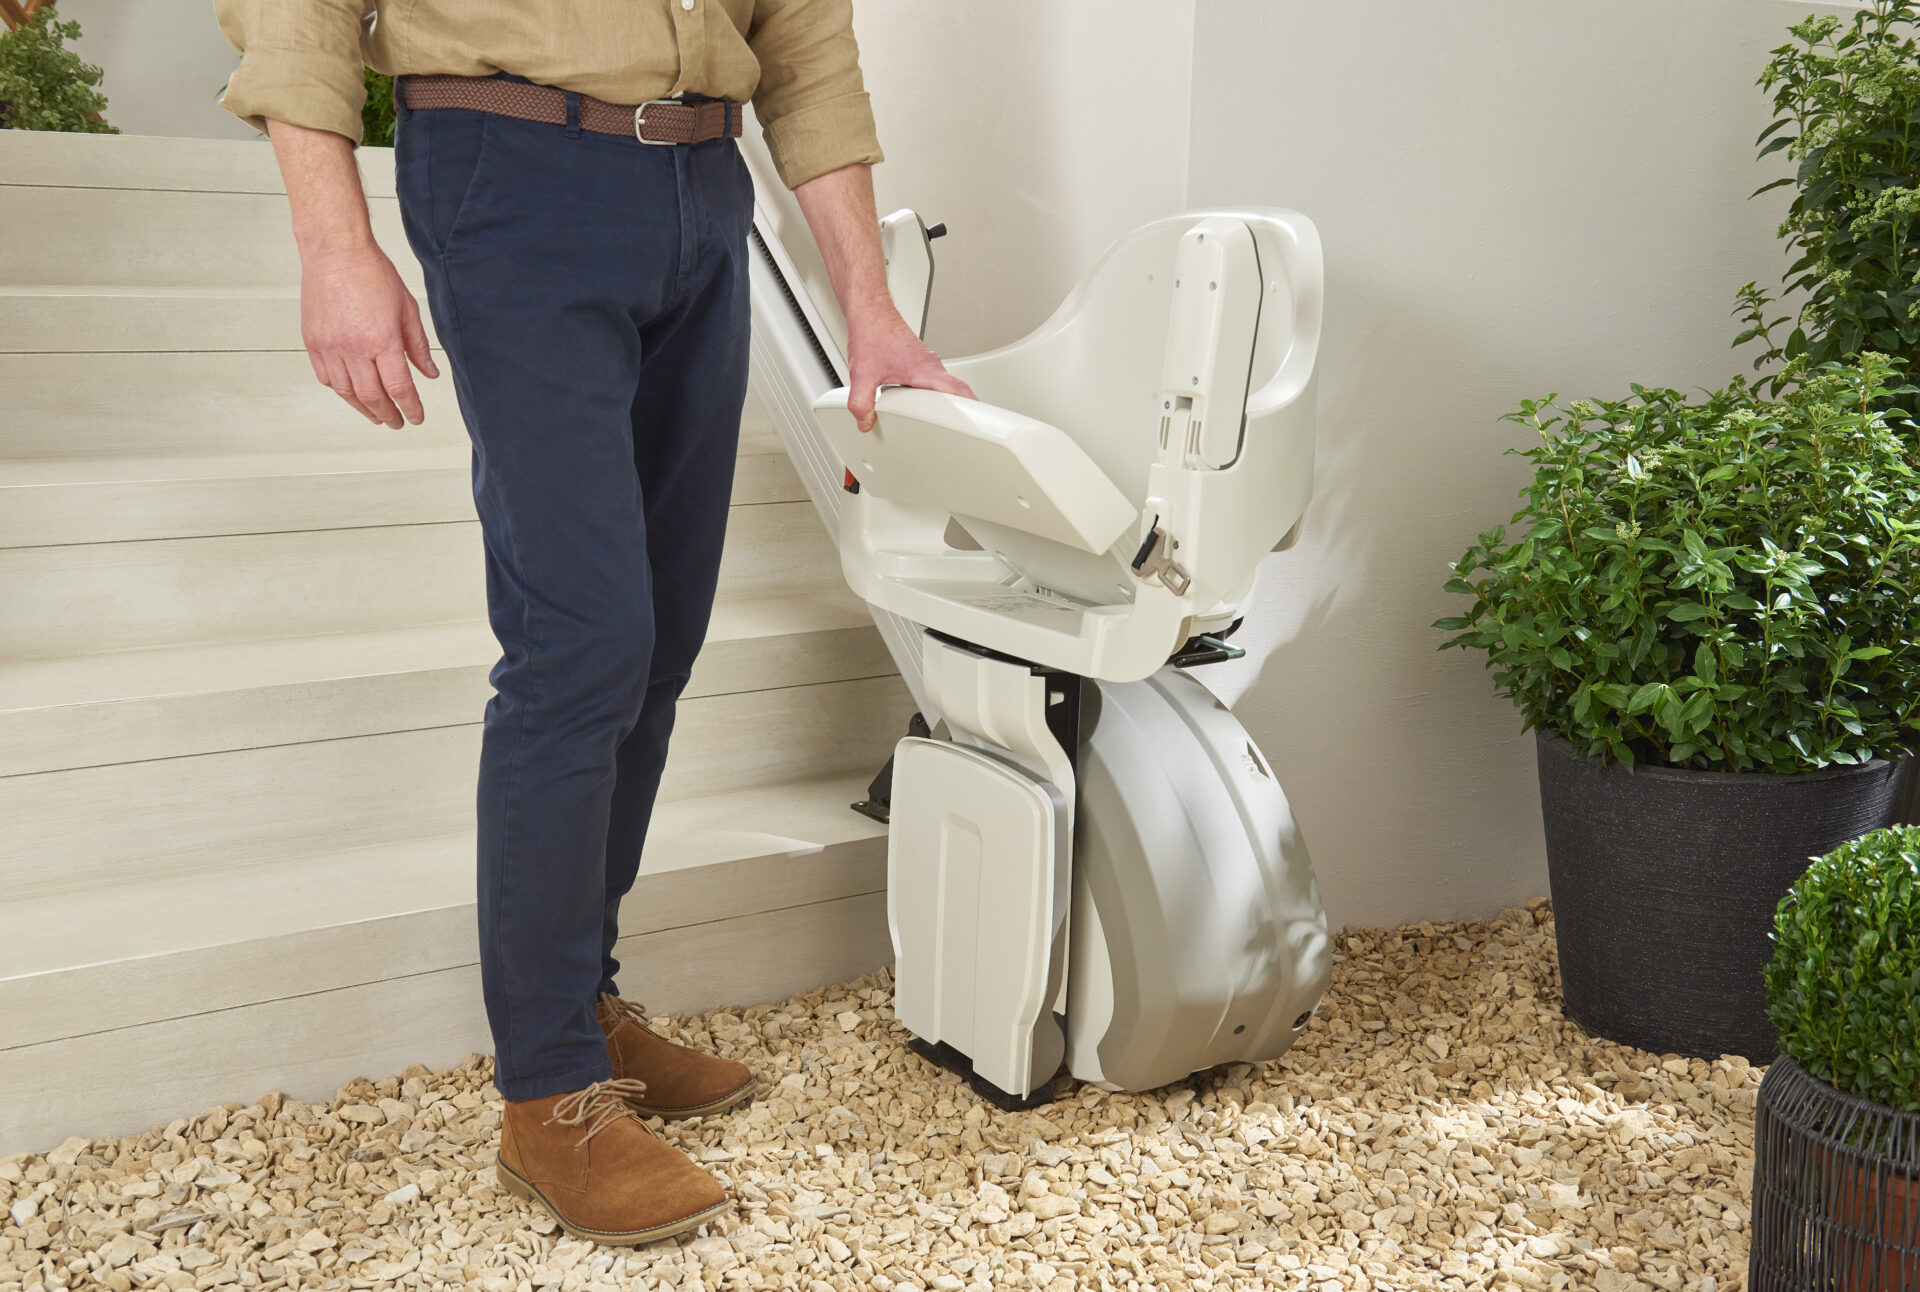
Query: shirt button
<point x="686" y="4"/>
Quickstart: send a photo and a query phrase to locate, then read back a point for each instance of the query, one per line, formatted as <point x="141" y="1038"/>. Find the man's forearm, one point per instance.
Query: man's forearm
<point x="323" y="189"/>
<point x="360" y="323"/>
<point x="846" y="226"/>
<point x="882" y="349"/>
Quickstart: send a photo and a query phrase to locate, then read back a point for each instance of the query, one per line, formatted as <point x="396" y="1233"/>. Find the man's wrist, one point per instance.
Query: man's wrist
<point x="325" y="246"/>
<point x="873" y="316"/>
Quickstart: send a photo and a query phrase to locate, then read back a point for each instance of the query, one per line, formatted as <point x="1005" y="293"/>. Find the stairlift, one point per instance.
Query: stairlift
<point x="1089" y="861"/>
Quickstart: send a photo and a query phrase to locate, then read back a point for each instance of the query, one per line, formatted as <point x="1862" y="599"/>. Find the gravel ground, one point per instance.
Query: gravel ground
<point x="1440" y="1126"/>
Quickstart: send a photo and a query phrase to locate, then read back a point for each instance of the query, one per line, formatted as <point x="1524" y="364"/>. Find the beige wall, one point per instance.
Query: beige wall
<point x="1516" y="199"/>
<point x="1038" y="132"/>
<point x="164" y="62"/>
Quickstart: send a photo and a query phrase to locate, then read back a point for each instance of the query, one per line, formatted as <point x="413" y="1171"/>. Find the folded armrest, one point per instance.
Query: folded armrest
<point x="979" y="460"/>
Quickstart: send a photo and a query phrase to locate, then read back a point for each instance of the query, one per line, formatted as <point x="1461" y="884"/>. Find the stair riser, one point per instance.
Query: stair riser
<point x="154" y="405"/>
<point x="112" y="322"/>
<point x="160" y="404"/>
<point x="76" y="600"/>
<point x="154" y="238"/>
<point x="68" y="830"/>
<point x="307" y="1046"/>
<point x="66" y="736"/>
<point x="53" y="515"/>
<point x="252" y="970"/>
<point x="119" y="596"/>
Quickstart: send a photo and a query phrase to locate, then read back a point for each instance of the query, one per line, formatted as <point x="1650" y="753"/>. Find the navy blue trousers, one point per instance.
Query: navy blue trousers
<point x="591" y="295"/>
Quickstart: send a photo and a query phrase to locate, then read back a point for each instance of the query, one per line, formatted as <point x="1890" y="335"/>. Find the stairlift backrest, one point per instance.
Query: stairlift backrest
<point x="1228" y="483"/>
<point x="1112" y="363"/>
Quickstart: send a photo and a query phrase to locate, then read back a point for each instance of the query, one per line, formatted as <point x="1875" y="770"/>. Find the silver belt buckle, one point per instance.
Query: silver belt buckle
<point x="640" y="119"/>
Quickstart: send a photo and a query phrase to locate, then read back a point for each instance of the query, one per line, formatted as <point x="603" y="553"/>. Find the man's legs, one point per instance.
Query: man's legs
<point x="554" y="259"/>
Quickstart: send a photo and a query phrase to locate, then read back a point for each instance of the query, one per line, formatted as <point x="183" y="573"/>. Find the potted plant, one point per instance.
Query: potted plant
<point x="43" y="84"/>
<point x="1836" y="1177"/>
<point x="1709" y="613"/>
<point x="1846" y="112"/>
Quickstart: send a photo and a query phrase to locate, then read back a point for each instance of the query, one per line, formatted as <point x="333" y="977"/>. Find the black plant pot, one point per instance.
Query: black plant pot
<point x="1836" y="1189"/>
<point x="1665" y="883"/>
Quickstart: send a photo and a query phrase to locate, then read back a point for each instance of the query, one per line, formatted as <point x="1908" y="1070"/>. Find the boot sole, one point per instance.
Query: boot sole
<point x="518" y="1185"/>
<point x="720" y="1105"/>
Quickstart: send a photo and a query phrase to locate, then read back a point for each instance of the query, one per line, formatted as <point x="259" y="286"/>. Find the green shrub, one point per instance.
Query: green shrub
<point x="1846" y="105"/>
<point x="1844" y="981"/>
<point x="376" y="118"/>
<point x="1729" y="583"/>
<point x="44" y="85"/>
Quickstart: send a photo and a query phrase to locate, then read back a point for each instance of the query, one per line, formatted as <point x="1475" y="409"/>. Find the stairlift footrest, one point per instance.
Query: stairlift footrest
<point x="976" y="901"/>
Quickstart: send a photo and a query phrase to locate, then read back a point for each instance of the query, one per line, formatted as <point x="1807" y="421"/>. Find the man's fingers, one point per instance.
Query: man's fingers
<point x="372" y="392"/>
<point x="342" y="385"/>
<point x="397" y="381"/>
<point x="416" y="338"/>
<point x="942" y="380"/>
<point x="860" y="397"/>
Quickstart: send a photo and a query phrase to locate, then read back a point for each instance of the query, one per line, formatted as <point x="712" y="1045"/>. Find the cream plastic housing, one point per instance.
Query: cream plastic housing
<point x="1181" y="368"/>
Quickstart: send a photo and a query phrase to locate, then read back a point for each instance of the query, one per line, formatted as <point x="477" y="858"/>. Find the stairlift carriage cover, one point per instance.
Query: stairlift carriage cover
<point x="1131" y="895"/>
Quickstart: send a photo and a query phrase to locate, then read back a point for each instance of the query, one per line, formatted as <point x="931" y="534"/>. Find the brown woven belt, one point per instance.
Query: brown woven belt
<point x="658" y="121"/>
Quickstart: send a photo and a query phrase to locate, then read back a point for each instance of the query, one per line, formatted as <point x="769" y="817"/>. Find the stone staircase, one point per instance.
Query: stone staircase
<point x="243" y="662"/>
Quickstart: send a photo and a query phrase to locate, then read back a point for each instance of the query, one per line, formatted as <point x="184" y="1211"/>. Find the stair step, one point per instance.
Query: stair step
<point x="166" y="237"/>
<point x="141" y="404"/>
<point x="79" y="829"/>
<point x="66" y="501"/>
<point x="87" y="598"/>
<point x="61" y="501"/>
<point x="145" y="949"/>
<point x="123" y="1081"/>
<point x="164" y="404"/>
<point x="171" y="702"/>
<point x="51" y="158"/>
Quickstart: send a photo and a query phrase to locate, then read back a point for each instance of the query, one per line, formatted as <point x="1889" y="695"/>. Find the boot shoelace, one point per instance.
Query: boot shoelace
<point x="618" y="1007"/>
<point x="598" y="1106"/>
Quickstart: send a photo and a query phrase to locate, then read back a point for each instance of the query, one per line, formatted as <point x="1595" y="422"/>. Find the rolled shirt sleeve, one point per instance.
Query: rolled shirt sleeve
<point x="811" y="102"/>
<point x="300" y="62"/>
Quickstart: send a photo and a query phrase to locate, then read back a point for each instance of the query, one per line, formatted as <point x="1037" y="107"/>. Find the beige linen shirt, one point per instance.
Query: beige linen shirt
<point x="794" y="59"/>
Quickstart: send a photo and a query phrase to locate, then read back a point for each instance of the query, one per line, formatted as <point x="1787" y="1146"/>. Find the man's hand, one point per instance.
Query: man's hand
<point x="881" y="349"/>
<point x="360" y="324"/>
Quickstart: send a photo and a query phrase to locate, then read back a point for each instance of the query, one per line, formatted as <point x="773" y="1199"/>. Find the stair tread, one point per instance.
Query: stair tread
<point x="265" y="662"/>
<point x="179" y="914"/>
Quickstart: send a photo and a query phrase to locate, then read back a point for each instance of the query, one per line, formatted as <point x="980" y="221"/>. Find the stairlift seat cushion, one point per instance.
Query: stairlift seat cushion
<point x="973" y="459"/>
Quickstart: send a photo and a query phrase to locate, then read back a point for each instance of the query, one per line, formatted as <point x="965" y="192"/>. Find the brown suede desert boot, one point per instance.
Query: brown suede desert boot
<point x="680" y="1082"/>
<point x="600" y="1170"/>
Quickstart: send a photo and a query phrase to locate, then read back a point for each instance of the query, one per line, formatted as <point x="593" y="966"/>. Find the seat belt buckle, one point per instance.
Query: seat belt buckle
<point x="1155" y="560"/>
<point x="640" y="121"/>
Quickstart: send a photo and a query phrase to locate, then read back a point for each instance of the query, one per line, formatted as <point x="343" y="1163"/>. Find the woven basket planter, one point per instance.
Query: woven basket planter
<point x="1836" y="1189"/>
<point x="1665" y="882"/>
